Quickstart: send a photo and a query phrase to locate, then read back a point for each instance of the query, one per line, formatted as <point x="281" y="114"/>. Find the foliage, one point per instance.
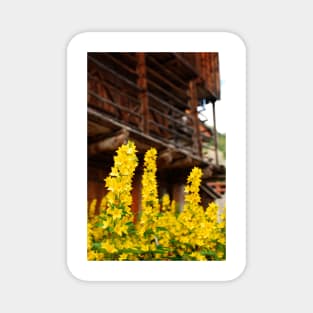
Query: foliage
<point x="221" y="141"/>
<point x="161" y="233"/>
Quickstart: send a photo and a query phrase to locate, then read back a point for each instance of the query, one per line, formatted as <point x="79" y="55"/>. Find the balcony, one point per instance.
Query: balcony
<point x="152" y="98"/>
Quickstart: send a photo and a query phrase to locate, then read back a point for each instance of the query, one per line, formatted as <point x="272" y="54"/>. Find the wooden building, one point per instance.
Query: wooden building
<point x="155" y="100"/>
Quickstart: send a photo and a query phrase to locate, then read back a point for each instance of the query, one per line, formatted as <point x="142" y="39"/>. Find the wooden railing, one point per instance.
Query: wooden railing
<point x="141" y="98"/>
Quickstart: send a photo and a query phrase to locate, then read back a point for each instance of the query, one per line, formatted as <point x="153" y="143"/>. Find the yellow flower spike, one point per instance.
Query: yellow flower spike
<point x="109" y="228"/>
<point x="173" y="206"/>
<point x="192" y="189"/>
<point x="149" y="182"/>
<point x="147" y="225"/>
<point x="166" y="202"/>
<point x="120" y="179"/>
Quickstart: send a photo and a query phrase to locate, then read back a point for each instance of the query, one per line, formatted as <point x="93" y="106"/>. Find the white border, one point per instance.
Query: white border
<point x="230" y="48"/>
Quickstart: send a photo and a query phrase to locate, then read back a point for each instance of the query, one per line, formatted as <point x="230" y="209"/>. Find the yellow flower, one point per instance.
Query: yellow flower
<point x="192" y="189"/>
<point x="222" y="240"/>
<point x="120" y="229"/>
<point x="149" y="182"/>
<point x="198" y="256"/>
<point x="123" y="256"/>
<point x="116" y="213"/>
<point x="114" y="172"/>
<point x="92" y="255"/>
<point x="220" y="254"/>
<point x="97" y="233"/>
<point x="105" y="224"/>
<point x="108" y="247"/>
<point x="166" y="202"/>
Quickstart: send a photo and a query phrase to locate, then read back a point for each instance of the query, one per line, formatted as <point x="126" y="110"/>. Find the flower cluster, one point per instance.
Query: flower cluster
<point x="161" y="233"/>
<point x="109" y="233"/>
<point x="150" y="207"/>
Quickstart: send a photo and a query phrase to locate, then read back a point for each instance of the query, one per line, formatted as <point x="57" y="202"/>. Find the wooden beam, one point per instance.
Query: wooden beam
<point x="207" y="172"/>
<point x="97" y="116"/>
<point x="108" y="144"/>
<point x="142" y="85"/>
<point x="184" y="162"/>
<point x="141" y="146"/>
<point x="165" y="157"/>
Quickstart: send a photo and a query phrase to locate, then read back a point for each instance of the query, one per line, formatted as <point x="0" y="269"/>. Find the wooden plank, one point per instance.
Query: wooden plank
<point x="169" y="73"/>
<point x="114" y="104"/>
<point x="118" y="62"/>
<point x="179" y="135"/>
<point x="169" y="94"/>
<point x="108" y="84"/>
<point x="161" y="101"/>
<point x="106" y="68"/>
<point x="175" y="121"/>
<point x="164" y="79"/>
<point x="186" y="64"/>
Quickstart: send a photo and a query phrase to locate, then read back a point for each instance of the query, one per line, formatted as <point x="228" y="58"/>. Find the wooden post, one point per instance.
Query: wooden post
<point x="194" y="105"/>
<point x="143" y="97"/>
<point x="178" y="195"/>
<point x="123" y="102"/>
<point x="215" y="134"/>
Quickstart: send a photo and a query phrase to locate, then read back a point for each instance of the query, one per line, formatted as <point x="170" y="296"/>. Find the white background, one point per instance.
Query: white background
<point x="33" y="273"/>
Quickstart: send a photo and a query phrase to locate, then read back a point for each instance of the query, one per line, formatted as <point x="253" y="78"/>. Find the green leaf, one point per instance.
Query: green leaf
<point x="159" y="228"/>
<point x="148" y="232"/>
<point x="96" y="246"/>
